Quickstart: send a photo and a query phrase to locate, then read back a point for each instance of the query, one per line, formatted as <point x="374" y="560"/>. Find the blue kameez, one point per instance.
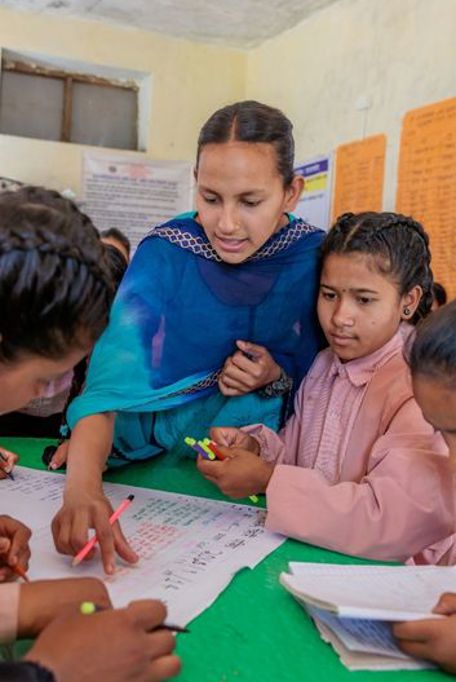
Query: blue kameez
<point x="175" y="320"/>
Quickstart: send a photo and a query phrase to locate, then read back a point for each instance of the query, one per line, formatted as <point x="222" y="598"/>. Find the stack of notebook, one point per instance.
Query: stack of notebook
<point x="353" y="607"/>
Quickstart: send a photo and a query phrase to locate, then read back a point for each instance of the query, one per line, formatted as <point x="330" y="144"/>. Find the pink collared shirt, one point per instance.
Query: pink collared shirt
<point x="9" y="611"/>
<point x="358" y="469"/>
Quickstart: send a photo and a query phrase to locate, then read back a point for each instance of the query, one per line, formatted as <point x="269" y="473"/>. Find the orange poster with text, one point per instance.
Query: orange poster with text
<point x="360" y="169"/>
<point x="427" y="182"/>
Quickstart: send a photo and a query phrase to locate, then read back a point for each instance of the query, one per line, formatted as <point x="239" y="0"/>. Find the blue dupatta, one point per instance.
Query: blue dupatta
<point x="176" y="318"/>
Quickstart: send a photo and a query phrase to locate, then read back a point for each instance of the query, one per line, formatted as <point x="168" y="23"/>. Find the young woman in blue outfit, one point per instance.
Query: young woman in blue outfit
<point x="214" y="322"/>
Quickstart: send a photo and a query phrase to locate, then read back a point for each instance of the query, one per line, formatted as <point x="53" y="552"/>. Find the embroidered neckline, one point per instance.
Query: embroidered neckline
<point x="199" y="245"/>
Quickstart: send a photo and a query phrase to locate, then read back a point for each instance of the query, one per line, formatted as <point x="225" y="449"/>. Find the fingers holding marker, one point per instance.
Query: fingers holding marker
<point x="8" y="460"/>
<point x="108" y="538"/>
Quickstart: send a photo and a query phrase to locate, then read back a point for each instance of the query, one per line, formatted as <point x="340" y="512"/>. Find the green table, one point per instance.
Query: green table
<point x="255" y="631"/>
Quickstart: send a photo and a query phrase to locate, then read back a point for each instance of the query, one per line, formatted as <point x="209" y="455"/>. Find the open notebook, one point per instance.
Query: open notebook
<point x="353" y="606"/>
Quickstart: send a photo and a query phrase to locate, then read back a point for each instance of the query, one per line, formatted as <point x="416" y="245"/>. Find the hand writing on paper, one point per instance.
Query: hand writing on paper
<point x="241" y="474"/>
<point x="119" y="645"/>
<point x="250" y="368"/>
<point x="14" y="547"/>
<point x="82" y="511"/>
<point x="433" y="640"/>
<point x="8" y="460"/>
<point x="232" y="437"/>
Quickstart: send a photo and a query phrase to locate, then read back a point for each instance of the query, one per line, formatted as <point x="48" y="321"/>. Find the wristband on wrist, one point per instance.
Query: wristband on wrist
<point x="279" y="387"/>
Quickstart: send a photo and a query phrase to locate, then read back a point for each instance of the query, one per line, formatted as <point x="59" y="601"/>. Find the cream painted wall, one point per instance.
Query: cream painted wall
<point x="401" y="54"/>
<point x="190" y="80"/>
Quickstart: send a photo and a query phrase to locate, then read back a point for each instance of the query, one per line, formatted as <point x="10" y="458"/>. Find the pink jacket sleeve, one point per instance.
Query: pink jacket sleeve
<point x="282" y="447"/>
<point x="9" y="611"/>
<point x="403" y="504"/>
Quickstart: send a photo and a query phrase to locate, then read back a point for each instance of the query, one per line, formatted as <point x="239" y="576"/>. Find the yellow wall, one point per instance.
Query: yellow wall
<point x="190" y="81"/>
<point x="401" y="54"/>
<point x="398" y="53"/>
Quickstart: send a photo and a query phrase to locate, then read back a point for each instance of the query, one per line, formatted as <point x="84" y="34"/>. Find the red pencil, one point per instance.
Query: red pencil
<point x="212" y="446"/>
<point x="18" y="570"/>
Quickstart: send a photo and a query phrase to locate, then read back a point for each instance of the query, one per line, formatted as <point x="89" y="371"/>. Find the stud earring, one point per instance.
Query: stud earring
<point x="406" y="311"/>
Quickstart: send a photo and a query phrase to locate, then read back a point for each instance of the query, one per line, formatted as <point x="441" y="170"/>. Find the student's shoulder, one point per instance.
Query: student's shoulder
<point x="392" y="381"/>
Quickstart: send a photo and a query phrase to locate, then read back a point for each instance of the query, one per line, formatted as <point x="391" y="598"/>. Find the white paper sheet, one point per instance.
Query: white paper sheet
<point x="372" y="592"/>
<point x="190" y="547"/>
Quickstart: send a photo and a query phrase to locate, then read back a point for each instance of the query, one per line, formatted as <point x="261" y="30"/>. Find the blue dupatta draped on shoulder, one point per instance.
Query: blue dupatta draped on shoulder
<point x="176" y="318"/>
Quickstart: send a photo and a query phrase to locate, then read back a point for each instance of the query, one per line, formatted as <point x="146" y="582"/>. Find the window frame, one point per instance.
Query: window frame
<point x="69" y="77"/>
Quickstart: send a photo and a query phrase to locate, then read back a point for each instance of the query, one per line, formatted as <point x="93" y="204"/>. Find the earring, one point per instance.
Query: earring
<point x="406" y="311"/>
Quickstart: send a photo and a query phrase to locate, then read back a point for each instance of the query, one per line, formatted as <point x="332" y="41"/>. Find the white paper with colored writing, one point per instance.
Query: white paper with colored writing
<point x="190" y="547"/>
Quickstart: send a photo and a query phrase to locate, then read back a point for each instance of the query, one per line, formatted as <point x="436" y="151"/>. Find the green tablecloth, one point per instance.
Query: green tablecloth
<point x="255" y="631"/>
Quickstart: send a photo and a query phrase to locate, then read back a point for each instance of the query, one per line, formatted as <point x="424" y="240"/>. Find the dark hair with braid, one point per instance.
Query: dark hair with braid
<point x="433" y="351"/>
<point x="398" y="245"/>
<point x="251" y="121"/>
<point x="55" y="288"/>
<point x="117" y="266"/>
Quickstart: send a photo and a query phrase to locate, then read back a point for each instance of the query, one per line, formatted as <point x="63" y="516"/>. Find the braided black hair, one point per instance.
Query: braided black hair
<point x="117" y="266"/>
<point x="398" y="244"/>
<point x="55" y="288"/>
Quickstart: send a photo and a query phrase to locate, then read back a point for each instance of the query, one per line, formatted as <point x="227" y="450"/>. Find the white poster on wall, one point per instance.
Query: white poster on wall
<point x="315" y="203"/>
<point x="134" y="194"/>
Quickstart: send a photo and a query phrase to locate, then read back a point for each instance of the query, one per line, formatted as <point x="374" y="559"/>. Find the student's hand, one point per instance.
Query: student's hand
<point x="239" y="475"/>
<point x="14" y="547"/>
<point x="250" y="368"/>
<point x="446" y="605"/>
<point x="7" y="462"/>
<point x="432" y="640"/>
<point x="42" y="601"/>
<point x="231" y="437"/>
<point x="122" y="645"/>
<point x="81" y="511"/>
<point x="60" y="456"/>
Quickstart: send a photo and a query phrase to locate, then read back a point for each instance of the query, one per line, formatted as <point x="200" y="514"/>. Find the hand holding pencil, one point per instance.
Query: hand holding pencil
<point x="14" y="548"/>
<point x="80" y="556"/>
<point x="8" y="461"/>
<point x="73" y="524"/>
<point x="236" y="471"/>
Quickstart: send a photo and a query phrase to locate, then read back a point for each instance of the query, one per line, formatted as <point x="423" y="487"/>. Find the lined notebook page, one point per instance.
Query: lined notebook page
<point x="376" y="592"/>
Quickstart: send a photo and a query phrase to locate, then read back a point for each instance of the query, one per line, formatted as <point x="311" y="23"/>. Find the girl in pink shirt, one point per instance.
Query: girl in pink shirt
<point x="357" y="469"/>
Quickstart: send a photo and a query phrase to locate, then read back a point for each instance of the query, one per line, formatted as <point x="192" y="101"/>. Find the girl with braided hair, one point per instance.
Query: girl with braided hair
<point x="357" y="469"/>
<point x="55" y="291"/>
<point x="55" y="294"/>
<point x="42" y="416"/>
